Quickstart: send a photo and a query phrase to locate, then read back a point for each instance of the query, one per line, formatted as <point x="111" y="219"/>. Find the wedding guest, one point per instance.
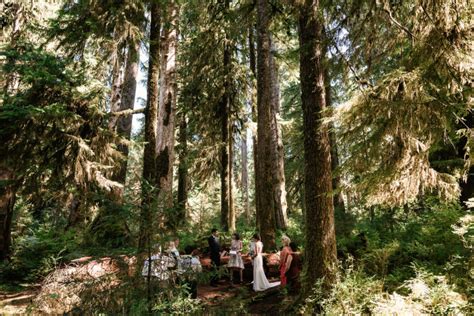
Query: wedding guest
<point x="189" y="266"/>
<point x="172" y="250"/>
<point x="215" y="251"/>
<point x="294" y="266"/>
<point x="285" y="240"/>
<point x="235" y="261"/>
<point x="176" y="243"/>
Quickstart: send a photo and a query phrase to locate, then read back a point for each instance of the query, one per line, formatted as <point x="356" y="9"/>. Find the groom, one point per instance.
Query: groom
<point x="215" y="249"/>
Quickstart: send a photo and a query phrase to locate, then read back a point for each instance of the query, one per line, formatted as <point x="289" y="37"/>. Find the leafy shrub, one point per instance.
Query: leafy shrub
<point x="355" y="293"/>
<point x="420" y="233"/>
<point x="36" y="254"/>
<point x="426" y="294"/>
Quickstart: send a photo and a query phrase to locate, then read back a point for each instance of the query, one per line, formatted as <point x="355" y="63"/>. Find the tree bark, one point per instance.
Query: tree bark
<point x="253" y="105"/>
<point x="149" y="156"/>
<point x="124" y="123"/>
<point x="320" y="239"/>
<point x="266" y="202"/>
<point x="278" y="155"/>
<point x="224" y="110"/>
<point x="182" y="170"/>
<point x="336" y="180"/>
<point x="7" y="175"/>
<point x="231" y="172"/>
<point x="116" y="89"/>
<point x="245" y="174"/>
<point x="7" y="202"/>
<point x="467" y="184"/>
<point x="167" y="108"/>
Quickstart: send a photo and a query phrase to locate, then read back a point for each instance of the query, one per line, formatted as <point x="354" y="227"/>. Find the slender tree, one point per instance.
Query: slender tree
<point x="151" y="111"/>
<point x="245" y="174"/>
<point x="7" y="202"/>
<point x="253" y="106"/>
<point x="320" y="239"/>
<point x="336" y="180"/>
<point x="278" y="157"/>
<point x="128" y="90"/>
<point x="117" y="80"/>
<point x="225" y="159"/>
<point x="183" y="181"/>
<point x="7" y="176"/>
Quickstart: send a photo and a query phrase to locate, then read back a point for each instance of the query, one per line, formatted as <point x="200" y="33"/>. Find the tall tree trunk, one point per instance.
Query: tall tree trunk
<point x="117" y="79"/>
<point x="253" y="105"/>
<point x="245" y="174"/>
<point x="320" y="238"/>
<point x="149" y="156"/>
<point x="182" y="170"/>
<point x="124" y="123"/>
<point x="231" y="172"/>
<point x="224" y="110"/>
<point x="265" y="209"/>
<point x="466" y="184"/>
<point x="167" y="108"/>
<point x="7" y="175"/>
<point x="75" y="216"/>
<point x="7" y="202"/>
<point x="336" y="180"/>
<point x="278" y="156"/>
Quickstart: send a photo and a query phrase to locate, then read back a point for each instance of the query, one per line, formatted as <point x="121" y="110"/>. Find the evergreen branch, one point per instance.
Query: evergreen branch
<point x="351" y="68"/>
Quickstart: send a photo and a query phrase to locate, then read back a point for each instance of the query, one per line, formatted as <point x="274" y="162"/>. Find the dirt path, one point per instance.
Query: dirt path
<point x="239" y="299"/>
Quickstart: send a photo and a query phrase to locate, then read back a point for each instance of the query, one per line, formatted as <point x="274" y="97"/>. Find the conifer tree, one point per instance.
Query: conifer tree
<point x="320" y="238"/>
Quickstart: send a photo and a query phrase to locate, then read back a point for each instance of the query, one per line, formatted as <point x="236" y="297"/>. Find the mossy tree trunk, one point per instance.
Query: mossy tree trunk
<point x="124" y="123"/>
<point x="264" y="170"/>
<point x="253" y="105"/>
<point x="183" y="182"/>
<point x="278" y="158"/>
<point x="226" y="135"/>
<point x="149" y="155"/>
<point x="167" y="110"/>
<point x="320" y="238"/>
<point x="7" y="202"/>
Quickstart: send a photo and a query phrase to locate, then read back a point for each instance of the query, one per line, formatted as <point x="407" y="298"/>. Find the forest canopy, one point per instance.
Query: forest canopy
<point x="345" y="125"/>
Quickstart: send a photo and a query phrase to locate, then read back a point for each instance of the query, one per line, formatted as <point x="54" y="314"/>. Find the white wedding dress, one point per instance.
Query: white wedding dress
<point x="260" y="282"/>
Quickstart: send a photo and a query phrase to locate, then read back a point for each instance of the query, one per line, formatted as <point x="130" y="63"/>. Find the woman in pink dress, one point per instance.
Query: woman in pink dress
<point x="285" y="240"/>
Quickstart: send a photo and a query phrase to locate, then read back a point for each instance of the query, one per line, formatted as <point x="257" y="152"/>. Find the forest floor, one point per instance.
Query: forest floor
<point x="15" y="302"/>
<point x="240" y="298"/>
<point x="225" y="298"/>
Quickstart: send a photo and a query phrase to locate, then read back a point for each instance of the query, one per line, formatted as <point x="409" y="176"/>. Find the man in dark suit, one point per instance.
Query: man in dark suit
<point x="215" y="250"/>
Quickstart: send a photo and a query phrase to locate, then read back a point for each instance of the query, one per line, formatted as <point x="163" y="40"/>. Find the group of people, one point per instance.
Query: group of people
<point x="289" y="268"/>
<point x="171" y="265"/>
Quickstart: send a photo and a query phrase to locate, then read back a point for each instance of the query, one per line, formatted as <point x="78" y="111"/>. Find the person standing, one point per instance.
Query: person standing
<point x="215" y="251"/>
<point x="189" y="266"/>
<point x="235" y="260"/>
<point x="293" y="269"/>
<point x="285" y="240"/>
<point x="260" y="281"/>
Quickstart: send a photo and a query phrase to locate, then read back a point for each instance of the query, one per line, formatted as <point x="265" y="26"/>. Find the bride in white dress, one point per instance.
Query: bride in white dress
<point x="260" y="282"/>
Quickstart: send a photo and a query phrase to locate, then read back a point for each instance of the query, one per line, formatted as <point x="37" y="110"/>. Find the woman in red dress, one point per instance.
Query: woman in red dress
<point x="285" y="240"/>
<point x="294" y="264"/>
